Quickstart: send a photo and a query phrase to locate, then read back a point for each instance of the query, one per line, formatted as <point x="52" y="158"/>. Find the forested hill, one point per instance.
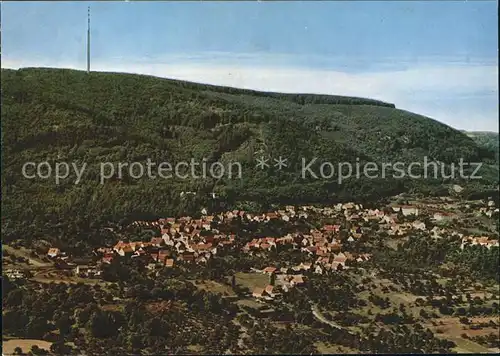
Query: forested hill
<point x="60" y="115"/>
<point x="486" y="139"/>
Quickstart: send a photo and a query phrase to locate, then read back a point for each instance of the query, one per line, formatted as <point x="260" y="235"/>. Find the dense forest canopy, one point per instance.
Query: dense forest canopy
<point x="60" y="115"/>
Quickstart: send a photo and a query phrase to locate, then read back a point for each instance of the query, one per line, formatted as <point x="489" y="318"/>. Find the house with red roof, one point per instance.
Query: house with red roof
<point x="53" y="252"/>
<point x="331" y="228"/>
<point x="269" y="270"/>
<point x="169" y="262"/>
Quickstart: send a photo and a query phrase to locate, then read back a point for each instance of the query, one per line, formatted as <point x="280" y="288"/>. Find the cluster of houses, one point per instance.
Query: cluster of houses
<point x="208" y="221"/>
<point x="14" y="274"/>
<point x="323" y="243"/>
<point x="196" y="241"/>
<point x="326" y="246"/>
<point x="478" y="240"/>
<point x="65" y="262"/>
<point x="184" y="239"/>
<point x="282" y="285"/>
<point x="326" y="243"/>
<point x="286" y="278"/>
<point x="489" y="210"/>
<point x="281" y="281"/>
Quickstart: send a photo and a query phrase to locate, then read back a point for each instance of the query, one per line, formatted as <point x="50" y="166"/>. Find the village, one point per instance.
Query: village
<point x="280" y="258"/>
<point x="326" y="247"/>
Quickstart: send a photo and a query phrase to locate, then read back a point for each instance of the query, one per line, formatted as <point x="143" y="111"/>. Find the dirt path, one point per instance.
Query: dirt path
<point x="243" y="335"/>
<point x="318" y="315"/>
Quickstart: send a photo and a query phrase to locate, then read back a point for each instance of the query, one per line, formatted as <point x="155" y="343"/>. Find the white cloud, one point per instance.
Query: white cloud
<point x="463" y="95"/>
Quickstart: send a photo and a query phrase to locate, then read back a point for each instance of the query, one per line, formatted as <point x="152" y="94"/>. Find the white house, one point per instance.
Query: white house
<point x="406" y="209"/>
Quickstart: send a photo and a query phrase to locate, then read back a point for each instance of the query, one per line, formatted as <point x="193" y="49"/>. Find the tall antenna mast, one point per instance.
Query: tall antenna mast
<point x="88" y="41"/>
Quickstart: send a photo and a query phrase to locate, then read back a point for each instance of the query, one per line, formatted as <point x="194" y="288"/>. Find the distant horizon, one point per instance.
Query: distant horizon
<point x="257" y="90"/>
<point x="437" y="59"/>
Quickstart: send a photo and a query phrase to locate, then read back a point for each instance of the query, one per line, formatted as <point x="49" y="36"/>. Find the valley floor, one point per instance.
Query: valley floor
<point x="413" y="276"/>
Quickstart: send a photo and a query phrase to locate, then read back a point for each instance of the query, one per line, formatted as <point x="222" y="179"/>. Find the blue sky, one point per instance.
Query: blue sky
<point x="435" y="58"/>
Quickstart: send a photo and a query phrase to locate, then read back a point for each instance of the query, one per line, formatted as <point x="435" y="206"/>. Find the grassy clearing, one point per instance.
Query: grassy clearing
<point x="452" y="329"/>
<point x="195" y="349"/>
<point x="327" y="348"/>
<point x="25" y="253"/>
<point x="252" y="280"/>
<point x="25" y="344"/>
<point x="250" y="303"/>
<point x="452" y="326"/>
<point x="68" y="280"/>
<point x="214" y="287"/>
<point x="113" y="307"/>
<point x="465" y="346"/>
<point x="59" y="276"/>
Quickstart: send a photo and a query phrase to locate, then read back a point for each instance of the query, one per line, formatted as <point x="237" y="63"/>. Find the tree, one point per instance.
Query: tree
<point x="37" y="327"/>
<point x="60" y="348"/>
<point x="423" y="314"/>
<point x="64" y="323"/>
<point x="233" y="281"/>
<point x="35" y="350"/>
<point x="102" y="324"/>
<point x="464" y="320"/>
<point x="272" y="279"/>
<point x="15" y="321"/>
<point x="14" y="298"/>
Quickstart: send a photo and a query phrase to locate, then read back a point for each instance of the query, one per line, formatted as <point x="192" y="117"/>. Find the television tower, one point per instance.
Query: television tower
<point x="88" y="40"/>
